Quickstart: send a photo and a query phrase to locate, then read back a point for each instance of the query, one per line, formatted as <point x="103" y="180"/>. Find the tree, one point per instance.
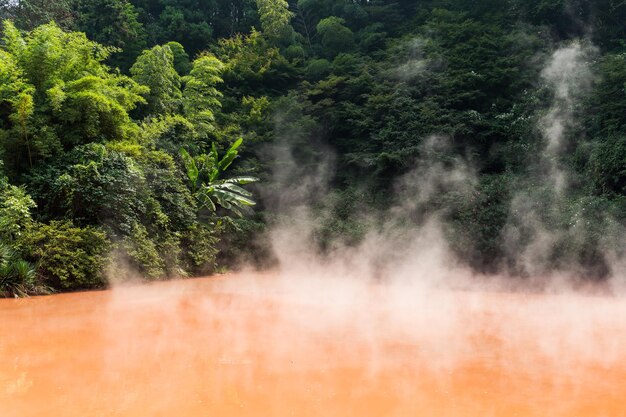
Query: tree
<point x="98" y="187"/>
<point x="304" y="20"/>
<point x="28" y="14"/>
<point x="200" y="95"/>
<point x="181" y="58"/>
<point x="233" y="16"/>
<point x="59" y="94"/>
<point x="608" y="165"/>
<point x="113" y="23"/>
<point x="155" y="69"/>
<point x="188" y="22"/>
<point x="18" y="95"/>
<point x="275" y="19"/>
<point x="335" y="36"/>
<point x="252" y="66"/>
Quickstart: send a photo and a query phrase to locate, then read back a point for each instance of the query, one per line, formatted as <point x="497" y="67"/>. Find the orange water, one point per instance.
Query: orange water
<point x="212" y="347"/>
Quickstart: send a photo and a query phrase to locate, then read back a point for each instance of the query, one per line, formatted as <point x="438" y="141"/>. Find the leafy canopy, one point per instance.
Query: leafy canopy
<point x="60" y="94"/>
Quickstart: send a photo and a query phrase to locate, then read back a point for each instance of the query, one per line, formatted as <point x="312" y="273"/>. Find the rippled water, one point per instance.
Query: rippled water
<point x="245" y="346"/>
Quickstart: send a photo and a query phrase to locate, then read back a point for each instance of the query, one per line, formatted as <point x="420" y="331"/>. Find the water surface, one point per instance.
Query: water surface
<point x="244" y="346"/>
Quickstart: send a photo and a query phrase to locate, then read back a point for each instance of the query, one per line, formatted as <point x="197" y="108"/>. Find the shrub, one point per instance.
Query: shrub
<point x="143" y="253"/>
<point x="200" y="249"/>
<point x="17" y="277"/>
<point x="170" y="250"/>
<point x="68" y="257"/>
<point x="15" y="206"/>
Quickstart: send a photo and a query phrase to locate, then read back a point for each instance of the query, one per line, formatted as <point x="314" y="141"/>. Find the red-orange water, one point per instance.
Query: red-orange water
<point x="213" y="347"/>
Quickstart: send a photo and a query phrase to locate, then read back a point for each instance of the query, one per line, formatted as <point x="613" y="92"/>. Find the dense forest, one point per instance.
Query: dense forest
<point x="165" y="137"/>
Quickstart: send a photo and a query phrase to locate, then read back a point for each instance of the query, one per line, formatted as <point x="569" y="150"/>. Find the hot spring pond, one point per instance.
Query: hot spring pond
<point x="260" y="345"/>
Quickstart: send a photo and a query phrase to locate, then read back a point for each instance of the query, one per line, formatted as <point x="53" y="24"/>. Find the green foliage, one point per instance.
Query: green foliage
<point x="240" y="244"/>
<point x="15" y="208"/>
<point x="66" y="96"/>
<point x="96" y="174"/>
<point x="608" y="102"/>
<point x="294" y="53"/>
<point x="18" y="278"/>
<point x="155" y="69"/>
<point x="608" y="166"/>
<point x="69" y="257"/>
<point x="113" y="23"/>
<point x="335" y="36"/>
<point x="203" y="173"/>
<point x="477" y="222"/>
<point x="29" y="14"/>
<point x="200" y="97"/>
<point x="181" y="58"/>
<point x="252" y="65"/>
<point x="195" y="23"/>
<point x="318" y="69"/>
<point x="170" y="207"/>
<point x="16" y="93"/>
<point x="143" y="253"/>
<point x="100" y="187"/>
<point x="257" y="108"/>
<point x="200" y="245"/>
<point x="168" y="133"/>
<point x="372" y="37"/>
<point x="275" y="17"/>
<point x="227" y="193"/>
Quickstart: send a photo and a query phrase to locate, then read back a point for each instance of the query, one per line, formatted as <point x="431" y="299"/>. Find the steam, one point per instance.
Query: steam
<point x="411" y="241"/>
<point x="416" y="240"/>
<point x="405" y="244"/>
<point x="569" y="76"/>
<point x="535" y="231"/>
<point x="415" y="63"/>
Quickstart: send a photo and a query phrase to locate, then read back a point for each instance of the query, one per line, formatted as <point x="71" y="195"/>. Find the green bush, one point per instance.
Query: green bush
<point x="68" y="257"/>
<point x="171" y="252"/>
<point x="17" y="277"/>
<point x="200" y="249"/>
<point x="143" y="253"/>
<point x="15" y="206"/>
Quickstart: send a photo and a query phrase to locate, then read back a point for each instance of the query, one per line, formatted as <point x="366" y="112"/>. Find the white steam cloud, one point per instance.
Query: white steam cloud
<point x="406" y="245"/>
<point x="535" y="229"/>
<point x="569" y="75"/>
